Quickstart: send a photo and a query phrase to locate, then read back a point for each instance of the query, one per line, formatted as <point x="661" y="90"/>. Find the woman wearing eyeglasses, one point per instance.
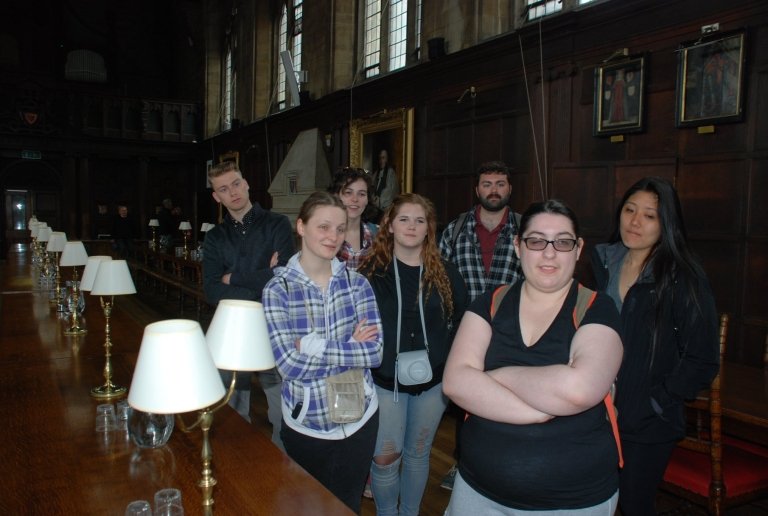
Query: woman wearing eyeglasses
<point x="537" y="437"/>
<point x="669" y="330"/>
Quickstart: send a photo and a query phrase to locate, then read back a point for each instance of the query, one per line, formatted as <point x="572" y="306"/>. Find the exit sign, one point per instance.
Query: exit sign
<point x="31" y="154"/>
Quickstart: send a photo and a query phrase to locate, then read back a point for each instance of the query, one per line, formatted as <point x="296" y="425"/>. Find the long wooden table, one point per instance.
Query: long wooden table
<point x="58" y="464"/>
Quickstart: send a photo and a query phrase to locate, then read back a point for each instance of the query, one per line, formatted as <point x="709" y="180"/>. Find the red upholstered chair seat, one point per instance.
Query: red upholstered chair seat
<point x="745" y="468"/>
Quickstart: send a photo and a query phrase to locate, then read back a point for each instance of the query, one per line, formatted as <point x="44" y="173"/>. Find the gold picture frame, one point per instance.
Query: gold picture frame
<point x="710" y="81"/>
<point x="388" y="130"/>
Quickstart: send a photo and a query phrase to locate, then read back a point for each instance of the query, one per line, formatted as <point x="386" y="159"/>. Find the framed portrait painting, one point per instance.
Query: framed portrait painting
<point x="619" y="97"/>
<point x="710" y="81"/>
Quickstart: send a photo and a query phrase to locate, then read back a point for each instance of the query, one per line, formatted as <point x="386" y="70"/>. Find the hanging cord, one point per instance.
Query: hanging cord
<point x="530" y="114"/>
<point x="545" y="182"/>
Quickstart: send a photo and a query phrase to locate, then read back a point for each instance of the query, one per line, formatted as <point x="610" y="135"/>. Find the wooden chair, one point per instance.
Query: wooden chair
<point x="710" y="469"/>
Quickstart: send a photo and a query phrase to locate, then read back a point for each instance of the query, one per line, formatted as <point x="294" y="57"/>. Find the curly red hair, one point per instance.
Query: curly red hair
<point x="382" y="252"/>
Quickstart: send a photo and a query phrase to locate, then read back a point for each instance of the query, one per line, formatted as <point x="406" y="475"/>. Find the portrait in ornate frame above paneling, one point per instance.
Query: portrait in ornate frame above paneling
<point x="619" y="97"/>
<point x="710" y="81"/>
<point x="391" y="131"/>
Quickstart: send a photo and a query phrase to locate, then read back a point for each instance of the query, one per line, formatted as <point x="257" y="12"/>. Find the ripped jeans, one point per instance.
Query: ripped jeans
<point x="406" y="430"/>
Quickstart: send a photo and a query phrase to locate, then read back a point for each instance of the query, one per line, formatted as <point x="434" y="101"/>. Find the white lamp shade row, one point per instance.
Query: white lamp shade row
<point x="175" y="372"/>
<point x="185" y="226"/>
<point x="44" y="234"/>
<point x="154" y="223"/>
<point x="206" y="226"/>
<point x="238" y="337"/>
<point x="74" y="254"/>
<point x="89" y="273"/>
<point x="113" y="279"/>
<point x="56" y="242"/>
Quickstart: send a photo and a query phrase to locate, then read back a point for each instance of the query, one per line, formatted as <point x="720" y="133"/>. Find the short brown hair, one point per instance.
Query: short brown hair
<point x="222" y="168"/>
<point x="315" y="200"/>
<point x="493" y="167"/>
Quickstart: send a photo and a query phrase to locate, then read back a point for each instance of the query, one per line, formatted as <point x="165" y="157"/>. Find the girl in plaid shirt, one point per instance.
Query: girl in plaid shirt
<point x="323" y="320"/>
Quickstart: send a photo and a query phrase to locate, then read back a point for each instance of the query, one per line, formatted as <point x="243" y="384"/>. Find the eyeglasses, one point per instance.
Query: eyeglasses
<point x="562" y="245"/>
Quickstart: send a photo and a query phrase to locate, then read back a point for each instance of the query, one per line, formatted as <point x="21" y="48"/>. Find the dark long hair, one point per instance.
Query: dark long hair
<point x="670" y="258"/>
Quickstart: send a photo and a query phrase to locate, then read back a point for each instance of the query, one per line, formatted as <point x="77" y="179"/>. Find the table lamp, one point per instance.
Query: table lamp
<point x="43" y="234"/>
<point x="34" y="228"/>
<point x="154" y="224"/>
<point x="185" y="227"/>
<point x="74" y="255"/>
<point x="175" y="373"/>
<point x="89" y="273"/>
<point x="112" y="279"/>
<point x="56" y="243"/>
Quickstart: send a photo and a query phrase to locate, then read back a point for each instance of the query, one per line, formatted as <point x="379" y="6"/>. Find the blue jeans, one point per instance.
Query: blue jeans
<point x="406" y="429"/>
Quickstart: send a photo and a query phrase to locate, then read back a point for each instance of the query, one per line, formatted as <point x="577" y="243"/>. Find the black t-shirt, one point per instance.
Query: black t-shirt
<point x="569" y="462"/>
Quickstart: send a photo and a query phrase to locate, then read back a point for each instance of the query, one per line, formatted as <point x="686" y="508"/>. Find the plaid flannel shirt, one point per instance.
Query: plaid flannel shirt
<point x="354" y="258"/>
<point x="294" y="307"/>
<point x="466" y="255"/>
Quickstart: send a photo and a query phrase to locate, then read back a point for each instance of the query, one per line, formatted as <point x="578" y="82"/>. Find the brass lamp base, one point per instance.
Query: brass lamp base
<point x="75" y="331"/>
<point x="108" y="391"/>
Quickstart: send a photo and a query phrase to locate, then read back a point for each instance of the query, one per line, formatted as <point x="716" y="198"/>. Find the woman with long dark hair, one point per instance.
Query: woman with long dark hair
<point x="353" y="187"/>
<point x="668" y="327"/>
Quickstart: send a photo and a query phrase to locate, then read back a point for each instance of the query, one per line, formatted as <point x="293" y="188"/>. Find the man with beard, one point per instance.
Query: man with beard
<point x="479" y="243"/>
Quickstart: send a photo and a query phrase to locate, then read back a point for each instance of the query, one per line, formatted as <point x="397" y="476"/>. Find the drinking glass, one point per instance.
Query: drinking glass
<point x="168" y="502"/>
<point x="138" y="508"/>
<point x="105" y="418"/>
<point x="150" y="430"/>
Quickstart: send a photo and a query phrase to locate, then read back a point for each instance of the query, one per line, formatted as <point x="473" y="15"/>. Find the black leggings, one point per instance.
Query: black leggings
<point x="340" y="465"/>
<point x="639" y="479"/>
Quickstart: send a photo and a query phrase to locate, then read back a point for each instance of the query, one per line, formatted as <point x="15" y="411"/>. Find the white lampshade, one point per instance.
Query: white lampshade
<point x="32" y="220"/>
<point x="74" y="254"/>
<point x="238" y="337"/>
<point x="56" y="242"/>
<point x="91" y="267"/>
<point x="154" y="223"/>
<point x="204" y="227"/>
<point x="44" y="233"/>
<point x="113" y="279"/>
<point x="185" y="226"/>
<point x="34" y="228"/>
<point x="174" y="371"/>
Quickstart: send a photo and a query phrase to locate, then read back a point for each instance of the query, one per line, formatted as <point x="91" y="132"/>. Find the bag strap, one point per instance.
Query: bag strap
<point x="584" y="300"/>
<point x="461" y="221"/>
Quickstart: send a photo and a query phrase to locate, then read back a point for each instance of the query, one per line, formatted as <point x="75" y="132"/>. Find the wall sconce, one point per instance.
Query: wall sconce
<point x="112" y="279"/>
<point x="74" y="255"/>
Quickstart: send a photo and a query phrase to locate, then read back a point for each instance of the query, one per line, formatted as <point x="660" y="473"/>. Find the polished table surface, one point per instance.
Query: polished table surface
<point x="56" y="463"/>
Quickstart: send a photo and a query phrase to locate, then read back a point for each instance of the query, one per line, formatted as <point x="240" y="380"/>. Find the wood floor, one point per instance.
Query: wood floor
<point x="147" y="308"/>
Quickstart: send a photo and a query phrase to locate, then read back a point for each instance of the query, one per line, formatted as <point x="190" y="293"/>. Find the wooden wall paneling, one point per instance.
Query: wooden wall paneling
<point x="585" y="189"/>
<point x="759" y="99"/>
<point x="489" y="141"/>
<point x="435" y="149"/>
<point x="458" y="149"/>
<point x="755" y="282"/>
<point x="712" y="194"/>
<point x="757" y="210"/>
<point x="628" y="173"/>
<point x="753" y="332"/>
<point x="660" y="136"/>
<point x="458" y="194"/>
<point x="559" y="111"/>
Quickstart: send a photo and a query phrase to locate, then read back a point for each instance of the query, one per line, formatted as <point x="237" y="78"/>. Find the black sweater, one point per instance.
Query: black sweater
<point x="650" y="397"/>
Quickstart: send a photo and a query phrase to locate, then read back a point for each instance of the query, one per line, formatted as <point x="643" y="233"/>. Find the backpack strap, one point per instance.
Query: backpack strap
<point x="584" y="300"/>
<point x="497" y="298"/>
<point x="461" y="221"/>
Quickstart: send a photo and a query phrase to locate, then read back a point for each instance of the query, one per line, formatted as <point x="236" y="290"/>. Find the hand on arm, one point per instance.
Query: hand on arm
<point x="566" y="389"/>
<point x="467" y="384"/>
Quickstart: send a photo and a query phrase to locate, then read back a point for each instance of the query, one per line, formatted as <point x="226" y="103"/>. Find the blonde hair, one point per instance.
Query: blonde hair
<point x="222" y="168"/>
<point x="382" y="252"/>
